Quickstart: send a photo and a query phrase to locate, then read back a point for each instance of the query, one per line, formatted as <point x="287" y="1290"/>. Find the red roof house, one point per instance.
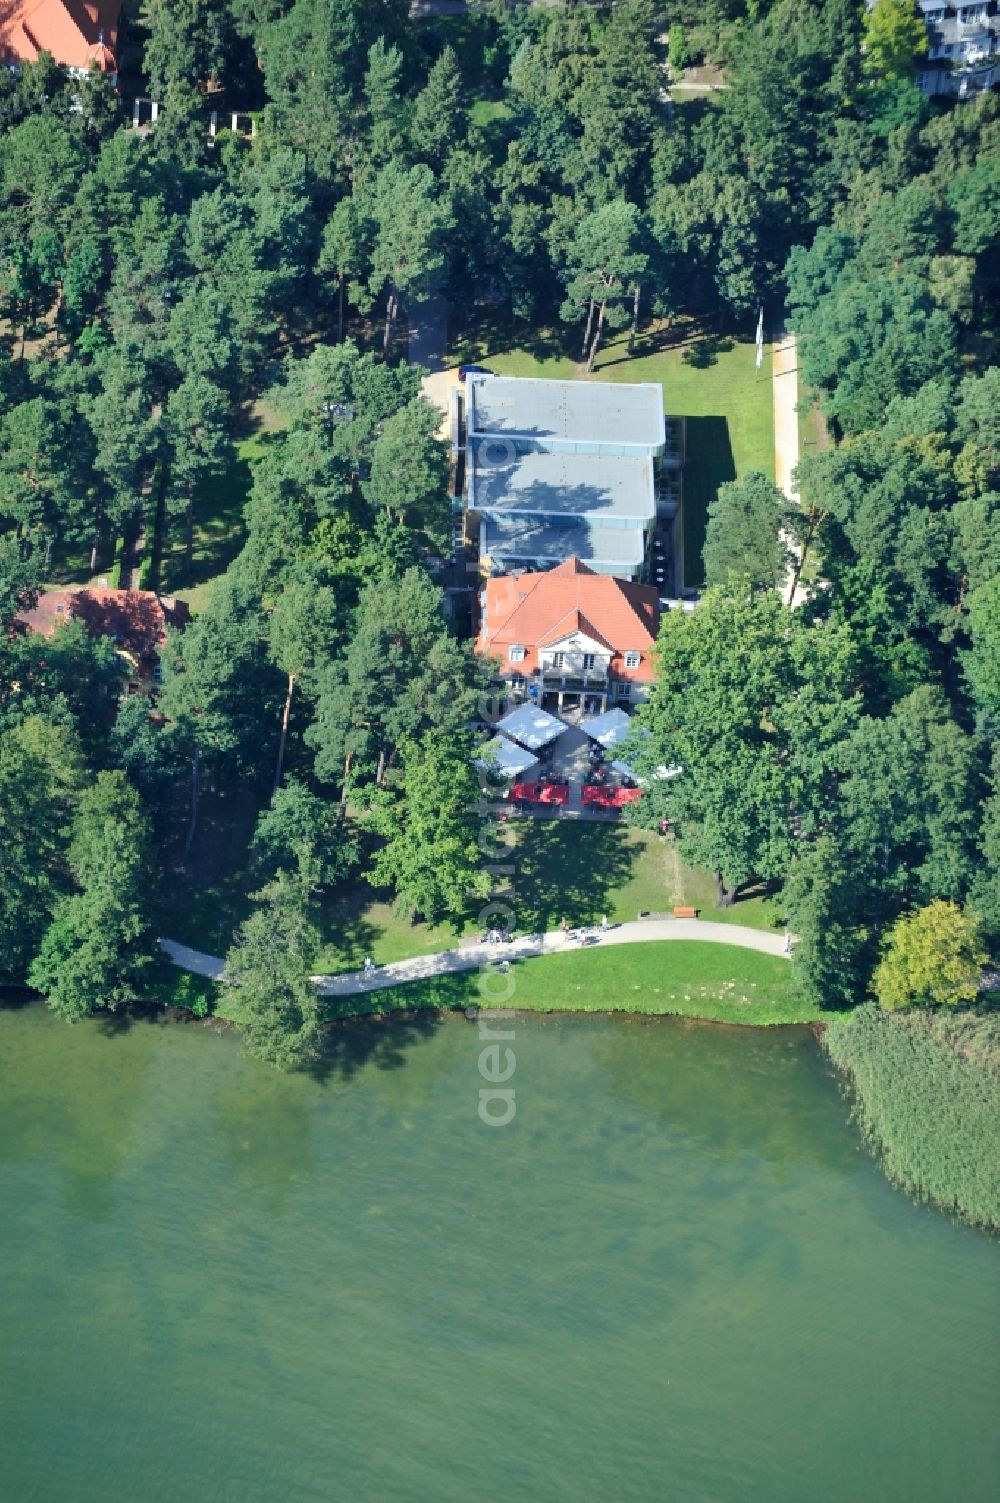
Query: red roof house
<point x="78" y="33"/>
<point x="569" y="630"/>
<point x="136" y="619"/>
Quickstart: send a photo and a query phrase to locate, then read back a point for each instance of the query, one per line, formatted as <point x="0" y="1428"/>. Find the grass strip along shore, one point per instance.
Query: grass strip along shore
<point x="682" y="967"/>
<point x="684" y="978"/>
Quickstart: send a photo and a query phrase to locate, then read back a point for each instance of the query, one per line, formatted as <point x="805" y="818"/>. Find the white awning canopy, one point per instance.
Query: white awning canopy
<point x="608" y="728"/>
<point x="504" y="756"/>
<point x="658" y="776"/>
<point x="532" y="727"/>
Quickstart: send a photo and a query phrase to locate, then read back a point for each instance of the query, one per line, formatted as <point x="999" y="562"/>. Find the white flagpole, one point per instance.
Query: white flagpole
<point x="760" y="336"/>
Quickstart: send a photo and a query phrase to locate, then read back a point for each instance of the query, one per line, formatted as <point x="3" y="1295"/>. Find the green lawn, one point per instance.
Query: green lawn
<point x="687" y="978"/>
<point x="812" y="430"/>
<point x="575" y="870"/>
<point x="218" y="526"/>
<point x="712" y="381"/>
<point x="571" y="870"/>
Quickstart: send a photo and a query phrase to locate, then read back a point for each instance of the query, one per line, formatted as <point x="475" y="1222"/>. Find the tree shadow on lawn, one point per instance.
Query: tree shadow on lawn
<point x="218" y="526"/>
<point x="344" y="928"/>
<point x="202" y="904"/>
<point x="703" y="352"/>
<point x="709" y="462"/>
<point x="350" y="932"/>
<point x="657" y="338"/>
<point x="567" y="871"/>
<point x="486" y="331"/>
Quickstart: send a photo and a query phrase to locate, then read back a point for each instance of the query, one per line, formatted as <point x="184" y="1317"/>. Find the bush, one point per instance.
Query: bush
<point x="115" y="575"/>
<point x="678" y="53"/>
<point x="927" y="1098"/>
<point x="196" y="994"/>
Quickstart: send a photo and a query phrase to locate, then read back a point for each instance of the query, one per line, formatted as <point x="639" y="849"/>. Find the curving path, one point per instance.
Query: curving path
<point x="470" y="955"/>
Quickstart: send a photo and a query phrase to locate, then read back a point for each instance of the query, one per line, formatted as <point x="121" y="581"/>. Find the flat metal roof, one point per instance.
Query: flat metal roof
<point x="607" y="728"/>
<point x="585" y="412"/>
<point x="505" y="756"/>
<point x="507" y="539"/>
<point x="531" y="726"/>
<point x="561" y="484"/>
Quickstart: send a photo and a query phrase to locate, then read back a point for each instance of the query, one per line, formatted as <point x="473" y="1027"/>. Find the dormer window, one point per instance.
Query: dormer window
<point x="516" y="654"/>
<point x="633" y="659"/>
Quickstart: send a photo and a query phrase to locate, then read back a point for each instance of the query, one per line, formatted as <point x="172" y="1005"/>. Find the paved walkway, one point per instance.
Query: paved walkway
<point x="428" y="346"/>
<point x="786" y="422"/>
<point x="470" y="955"/>
<point x="785" y="383"/>
<point x="427" y="340"/>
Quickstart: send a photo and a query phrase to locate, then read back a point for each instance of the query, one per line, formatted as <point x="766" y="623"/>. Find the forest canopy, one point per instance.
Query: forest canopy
<point x="166" y="292"/>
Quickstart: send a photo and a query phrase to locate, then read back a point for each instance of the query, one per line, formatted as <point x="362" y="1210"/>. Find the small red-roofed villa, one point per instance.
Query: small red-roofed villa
<point x="137" y="620"/>
<point x="80" y="34"/>
<point x="569" y="637"/>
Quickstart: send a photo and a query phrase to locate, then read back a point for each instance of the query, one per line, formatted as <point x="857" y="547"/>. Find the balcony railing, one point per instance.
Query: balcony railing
<point x="585" y="676"/>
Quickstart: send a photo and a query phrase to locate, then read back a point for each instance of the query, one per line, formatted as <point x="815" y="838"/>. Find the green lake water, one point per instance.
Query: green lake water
<point x="675" y="1275"/>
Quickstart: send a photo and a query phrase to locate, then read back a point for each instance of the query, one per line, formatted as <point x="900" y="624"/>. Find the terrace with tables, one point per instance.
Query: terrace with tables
<point x="553" y="767"/>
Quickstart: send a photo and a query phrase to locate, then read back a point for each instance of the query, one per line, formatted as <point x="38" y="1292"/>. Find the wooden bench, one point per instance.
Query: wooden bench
<point x="685" y="912"/>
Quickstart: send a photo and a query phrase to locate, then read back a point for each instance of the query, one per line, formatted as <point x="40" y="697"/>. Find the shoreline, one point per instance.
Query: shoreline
<point x="721" y="983"/>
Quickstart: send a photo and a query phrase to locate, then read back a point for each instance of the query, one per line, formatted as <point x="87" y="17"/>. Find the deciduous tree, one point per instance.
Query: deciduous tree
<point x="270" y="996"/>
<point x="298" y="831"/>
<point x="931" y="956"/>
<point x="895" y="36"/>
<point x="42" y="771"/>
<point x="98" y="944"/>
<point x="744" y="718"/>
<point x="432" y="857"/>
<point x="409" y="472"/>
<point x="746" y="536"/>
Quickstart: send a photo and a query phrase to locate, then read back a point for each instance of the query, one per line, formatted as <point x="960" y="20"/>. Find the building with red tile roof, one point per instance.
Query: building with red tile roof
<point x="136" y="619"/>
<point x="570" y="634"/>
<point x="77" y="33"/>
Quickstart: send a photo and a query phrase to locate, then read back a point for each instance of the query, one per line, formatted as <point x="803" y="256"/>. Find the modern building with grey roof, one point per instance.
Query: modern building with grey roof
<point x="562" y="469"/>
<point x="511" y="544"/>
<point x="612" y="488"/>
<point x="566" y="417"/>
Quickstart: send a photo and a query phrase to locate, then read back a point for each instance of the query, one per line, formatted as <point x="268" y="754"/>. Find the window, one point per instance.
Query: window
<point x="633" y="659"/>
<point x="623" y="690"/>
<point x="588" y="661"/>
<point x="557" y="660"/>
<point x="516" y="654"/>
